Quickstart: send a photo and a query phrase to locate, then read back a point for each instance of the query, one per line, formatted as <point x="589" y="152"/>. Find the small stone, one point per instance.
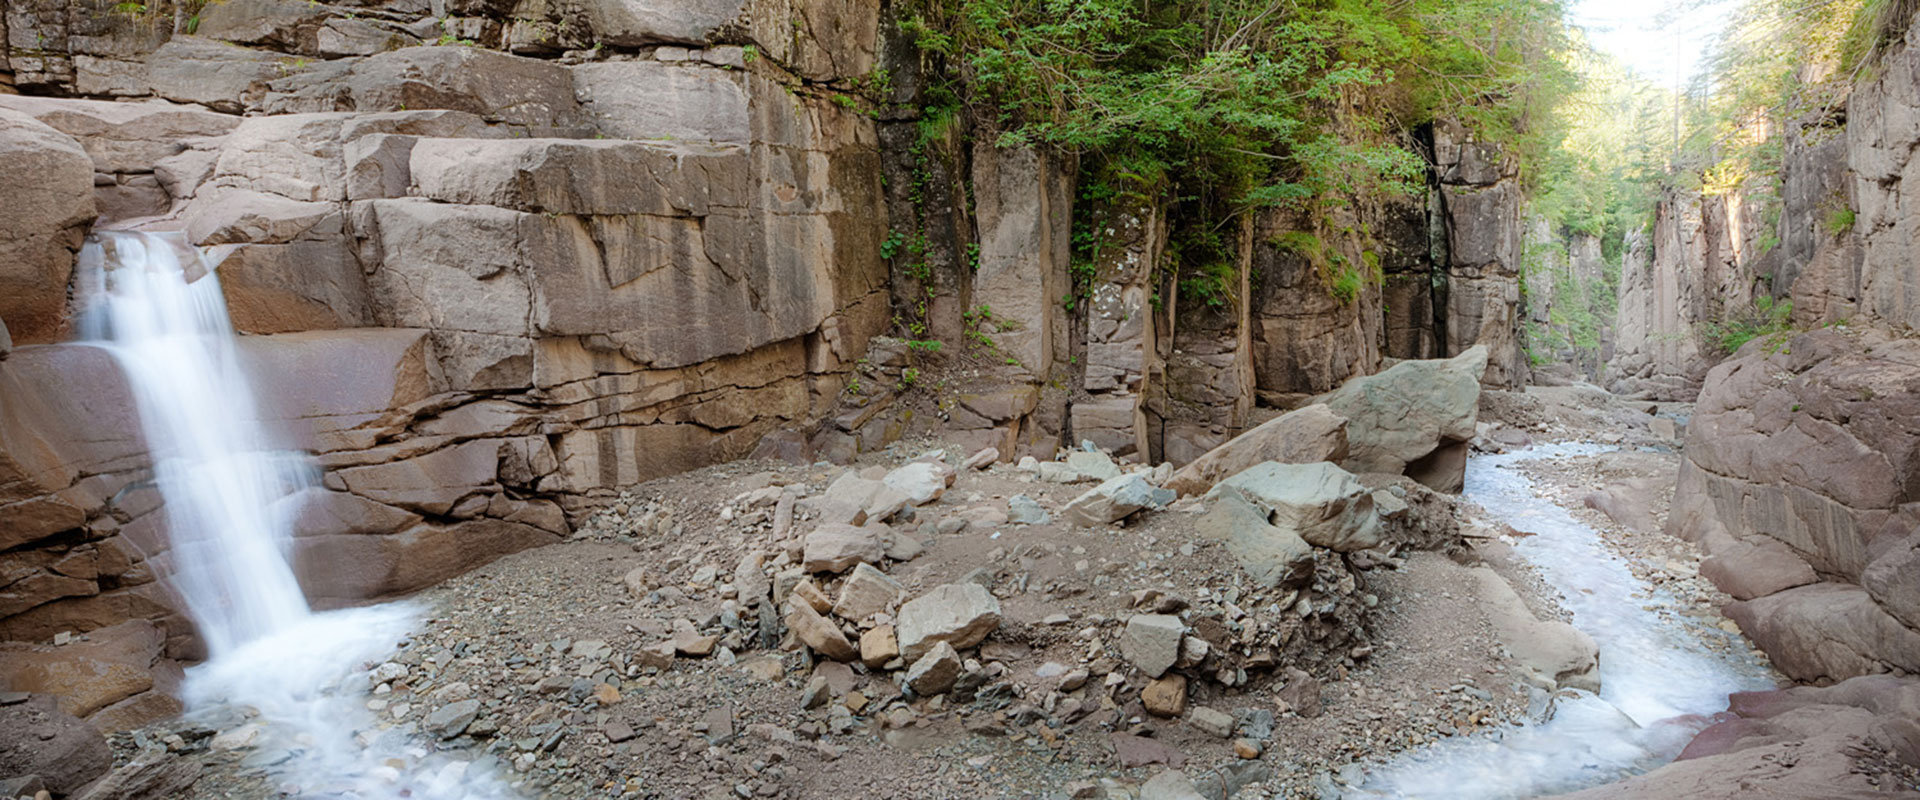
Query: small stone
<point x="982" y="459"/>
<point x="819" y="633"/>
<point x="1165" y="697"/>
<point x="935" y="672"/>
<point x="606" y="694"/>
<point x="452" y="719"/>
<point x="878" y="646"/>
<point x="1151" y="642"/>
<point x="617" y="731"/>
<point x="866" y="592"/>
<point x="1246" y="748"/>
<point x="1024" y="510"/>
<point x="687" y="640"/>
<point x="1212" y="721"/>
<point x="960" y="614"/>
<point x="836" y="548"/>
<point x="1170" y="785"/>
<point x="809" y="593"/>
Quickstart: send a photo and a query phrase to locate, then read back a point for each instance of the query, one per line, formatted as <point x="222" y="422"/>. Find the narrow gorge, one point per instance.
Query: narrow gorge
<point x="956" y="399"/>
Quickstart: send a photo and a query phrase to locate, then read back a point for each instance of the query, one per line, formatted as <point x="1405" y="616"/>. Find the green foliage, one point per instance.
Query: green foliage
<point x="1766" y="317"/>
<point x="1216" y="109"/>
<point x="1839" y="221"/>
<point x="909" y="377"/>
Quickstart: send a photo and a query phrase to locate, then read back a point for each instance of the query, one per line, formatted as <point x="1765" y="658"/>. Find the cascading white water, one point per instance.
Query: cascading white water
<point x="228" y="532"/>
<point x="230" y="503"/>
<point x="1659" y="679"/>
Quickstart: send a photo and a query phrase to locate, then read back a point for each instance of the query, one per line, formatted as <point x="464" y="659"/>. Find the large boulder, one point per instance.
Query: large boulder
<point x="43" y="216"/>
<point x="1324" y="505"/>
<point x="1551" y="654"/>
<point x="1415" y="418"/>
<point x="1301" y="436"/>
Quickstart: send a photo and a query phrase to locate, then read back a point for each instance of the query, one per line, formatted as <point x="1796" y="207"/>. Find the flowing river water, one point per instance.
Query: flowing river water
<point x="293" y="681"/>
<point x="1661" y="675"/>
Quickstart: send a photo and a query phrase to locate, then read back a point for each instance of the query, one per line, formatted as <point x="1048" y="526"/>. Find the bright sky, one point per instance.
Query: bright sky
<point x="1662" y="40"/>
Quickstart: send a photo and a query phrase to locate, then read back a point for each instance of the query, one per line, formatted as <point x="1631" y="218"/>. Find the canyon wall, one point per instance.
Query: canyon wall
<point x="497" y="261"/>
<point x="1802" y="475"/>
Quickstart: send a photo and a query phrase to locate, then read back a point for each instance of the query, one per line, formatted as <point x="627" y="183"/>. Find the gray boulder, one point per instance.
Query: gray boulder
<point x="1321" y="503"/>
<point x="1415" y="418"/>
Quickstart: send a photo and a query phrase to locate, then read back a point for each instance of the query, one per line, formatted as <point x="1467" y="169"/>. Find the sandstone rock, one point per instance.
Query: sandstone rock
<point x="1756" y="567"/>
<point x="1170" y="785"/>
<point x="879" y="645"/>
<point x="1826" y="631"/>
<point x="687" y="640"/>
<point x="1411" y="412"/>
<point x="866" y="592"/>
<point x="1165" y="696"/>
<point x="836" y="548"/>
<point x="41" y="224"/>
<point x="921" y="483"/>
<point x="1114" y="500"/>
<point x="1552" y="654"/>
<point x="1212" y="721"/>
<point x="935" y="672"/>
<point x="959" y="614"/>
<point x="983" y="459"/>
<point x="1626" y="503"/>
<point x="36" y="738"/>
<point x="819" y="633"/>
<point x="1302" y="436"/>
<point x="1151" y="642"/>
<point x="115" y="663"/>
<point x="1322" y="503"/>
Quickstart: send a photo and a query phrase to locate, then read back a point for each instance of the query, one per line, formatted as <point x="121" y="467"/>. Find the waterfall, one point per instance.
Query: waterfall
<point x="295" y="678"/>
<point x="228" y="532"/>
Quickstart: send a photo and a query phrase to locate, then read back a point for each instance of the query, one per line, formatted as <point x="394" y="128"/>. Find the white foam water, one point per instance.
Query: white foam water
<point x="1660" y="679"/>
<point x="230" y="501"/>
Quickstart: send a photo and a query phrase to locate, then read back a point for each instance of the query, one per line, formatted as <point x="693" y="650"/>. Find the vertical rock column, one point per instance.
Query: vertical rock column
<point x="1023" y="214"/>
<point x="1480" y="190"/>
<point x="1208" y="349"/>
<point x="1121" y="356"/>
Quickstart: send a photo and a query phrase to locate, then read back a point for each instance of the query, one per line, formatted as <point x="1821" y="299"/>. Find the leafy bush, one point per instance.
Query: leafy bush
<point x="1765" y="317"/>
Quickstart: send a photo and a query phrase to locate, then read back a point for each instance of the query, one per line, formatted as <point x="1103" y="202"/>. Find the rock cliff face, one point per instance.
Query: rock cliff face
<point x="1800" y="469"/>
<point x="498" y="260"/>
<point x="1803" y="459"/>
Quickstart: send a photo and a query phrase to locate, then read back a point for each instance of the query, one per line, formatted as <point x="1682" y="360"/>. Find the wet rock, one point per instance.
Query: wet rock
<point x="1115" y="499"/>
<point x="959" y="614"/>
<point x="154" y="774"/>
<point x="452" y="719"/>
<point x="1551" y="654"/>
<point x="935" y="672"/>
<point x="1321" y="503"/>
<point x="1151" y="642"/>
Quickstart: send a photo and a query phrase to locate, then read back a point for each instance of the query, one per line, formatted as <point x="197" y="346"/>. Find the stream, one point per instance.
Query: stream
<point x="1661" y="678"/>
